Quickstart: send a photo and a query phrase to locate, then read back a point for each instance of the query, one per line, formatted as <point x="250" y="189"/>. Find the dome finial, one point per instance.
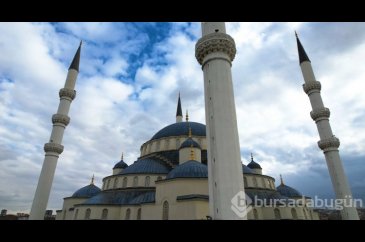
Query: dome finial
<point x="192" y="154"/>
<point x="92" y="180"/>
<point x="281" y="180"/>
<point x="251" y="157"/>
<point x="122" y="155"/>
<point x="187" y="116"/>
<point x="179" y="115"/>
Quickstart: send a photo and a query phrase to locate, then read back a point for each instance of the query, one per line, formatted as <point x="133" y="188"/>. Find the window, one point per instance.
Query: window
<point x="167" y="143"/>
<point x="294" y="213"/>
<point x="147" y="181"/>
<point x="157" y="145"/>
<point x="104" y="214"/>
<point x="139" y="214"/>
<point x="76" y="213"/>
<point x="125" y="180"/>
<point x="87" y="213"/>
<point x="107" y="186"/>
<point x="254" y="182"/>
<point x="277" y="213"/>
<point x="263" y="182"/>
<point x="135" y="181"/>
<point x="255" y="214"/>
<point x="177" y="143"/>
<point x="128" y="214"/>
<point x="165" y="211"/>
<point x="245" y="181"/>
<point x="115" y="183"/>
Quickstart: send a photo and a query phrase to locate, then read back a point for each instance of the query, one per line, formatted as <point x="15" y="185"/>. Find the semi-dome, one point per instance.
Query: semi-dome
<point x="190" y="143"/>
<point x="181" y="128"/>
<point x="146" y="166"/>
<point x="120" y="165"/>
<point x="87" y="191"/>
<point x="189" y="169"/>
<point x="253" y="165"/>
<point x="288" y="191"/>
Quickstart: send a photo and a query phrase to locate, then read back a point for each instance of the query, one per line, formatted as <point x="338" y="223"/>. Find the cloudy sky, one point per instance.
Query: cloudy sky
<point x="130" y="76"/>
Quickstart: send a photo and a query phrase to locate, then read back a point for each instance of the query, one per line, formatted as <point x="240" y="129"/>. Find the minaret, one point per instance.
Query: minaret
<point x="328" y="142"/>
<point x="179" y="116"/>
<point x="215" y="51"/>
<point x="54" y="148"/>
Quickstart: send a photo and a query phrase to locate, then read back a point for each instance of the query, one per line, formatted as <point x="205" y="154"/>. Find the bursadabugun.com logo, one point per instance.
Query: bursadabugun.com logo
<point x="241" y="204"/>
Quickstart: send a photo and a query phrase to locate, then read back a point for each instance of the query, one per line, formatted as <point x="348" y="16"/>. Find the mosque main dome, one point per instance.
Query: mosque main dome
<point x="179" y="129"/>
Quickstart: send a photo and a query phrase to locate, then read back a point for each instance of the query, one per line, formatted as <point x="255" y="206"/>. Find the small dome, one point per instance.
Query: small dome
<point x="190" y="143"/>
<point x="87" y="191"/>
<point x="189" y="169"/>
<point x="254" y="165"/>
<point x="179" y="129"/>
<point x="246" y="170"/>
<point x="120" y="165"/>
<point x="146" y="166"/>
<point x="288" y="191"/>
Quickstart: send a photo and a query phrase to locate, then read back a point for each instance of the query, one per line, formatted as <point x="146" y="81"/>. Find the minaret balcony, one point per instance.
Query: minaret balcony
<point x="60" y="118"/>
<point x="53" y="147"/>
<point x="66" y="92"/>
<point x="329" y="144"/>
<point x="320" y="113"/>
<point x="312" y="86"/>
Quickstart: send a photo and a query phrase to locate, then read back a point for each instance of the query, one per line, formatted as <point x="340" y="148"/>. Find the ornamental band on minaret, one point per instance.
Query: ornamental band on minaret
<point x="328" y="142"/>
<point x="54" y="148"/>
<point x="215" y="51"/>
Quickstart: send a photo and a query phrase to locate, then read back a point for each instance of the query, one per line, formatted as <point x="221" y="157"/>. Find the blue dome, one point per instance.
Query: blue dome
<point x="190" y="169"/>
<point x="288" y="191"/>
<point x="254" y="165"/>
<point x="189" y="143"/>
<point x="182" y="128"/>
<point x="246" y="170"/>
<point x="146" y="166"/>
<point x="87" y="191"/>
<point x="120" y="165"/>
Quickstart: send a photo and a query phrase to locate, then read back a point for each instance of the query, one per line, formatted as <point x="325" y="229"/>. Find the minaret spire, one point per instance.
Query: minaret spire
<point x="328" y="142"/>
<point x="92" y="180"/>
<point x="187" y="116"/>
<point x="54" y="147"/>
<point x="215" y="51"/>
<point x="302" y="54"/>
<point x="281" y="180"/>
<point x="179" y="115"/>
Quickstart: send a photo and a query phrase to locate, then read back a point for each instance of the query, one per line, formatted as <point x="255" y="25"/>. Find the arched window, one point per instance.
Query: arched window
<point x="167" y="143"/>
<point x="128" y="214"/>
<point x="277" y="213"/>
<point x="158" y="146"/>
<point x="76" y="213"/>
<point x="294" y="213"/>
<point x="125" y="180"/>
<point x="268" y="183"/>
<point x="64" y="215"/>
<point x="245" y="181"/>
<point x="139" y="214"/>
<point x="165" y="211"/>
<point x="147" y="181"/>
<point x="104" y="214"/>
<point x="87" y="213"/>
<point x="255" y="214"/>
<point x="107" y="186"/>
<point x="263" y="182"/>
<point x="135" y="181"/>
<point x="115" y="183"/>
<point x="177" y="143"/>
<point x="305" y="214"/>
<point x="254" y="181"/>
<point x="159" y="178"/>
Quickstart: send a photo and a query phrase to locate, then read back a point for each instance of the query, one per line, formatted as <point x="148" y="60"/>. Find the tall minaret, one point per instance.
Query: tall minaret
<point x="179" y="116"/>
<point x="328" y="142"/>
<point x="215" y="51"/>
<point x="54" y="148"/>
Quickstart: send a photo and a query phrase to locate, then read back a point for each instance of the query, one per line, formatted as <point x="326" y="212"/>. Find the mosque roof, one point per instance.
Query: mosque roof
<point x="120" y="165"/>
<point x="246" y="170"/>
<point x="189" y="142"/>
<point x="146" y="166"/>
<point x="87" y="191"/>
<point x="120" y="197"/>
<point x="189" y="169"/>
<point x="288" y="191"/>
<point x="181" y="128"/>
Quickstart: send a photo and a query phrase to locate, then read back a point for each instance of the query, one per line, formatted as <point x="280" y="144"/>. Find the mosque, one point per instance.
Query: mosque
<point x="170" y="181"/>
<point x="189" y="170"/>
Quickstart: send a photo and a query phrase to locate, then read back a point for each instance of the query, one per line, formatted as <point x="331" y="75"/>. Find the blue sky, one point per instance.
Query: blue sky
<point x="130" y="76"/>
